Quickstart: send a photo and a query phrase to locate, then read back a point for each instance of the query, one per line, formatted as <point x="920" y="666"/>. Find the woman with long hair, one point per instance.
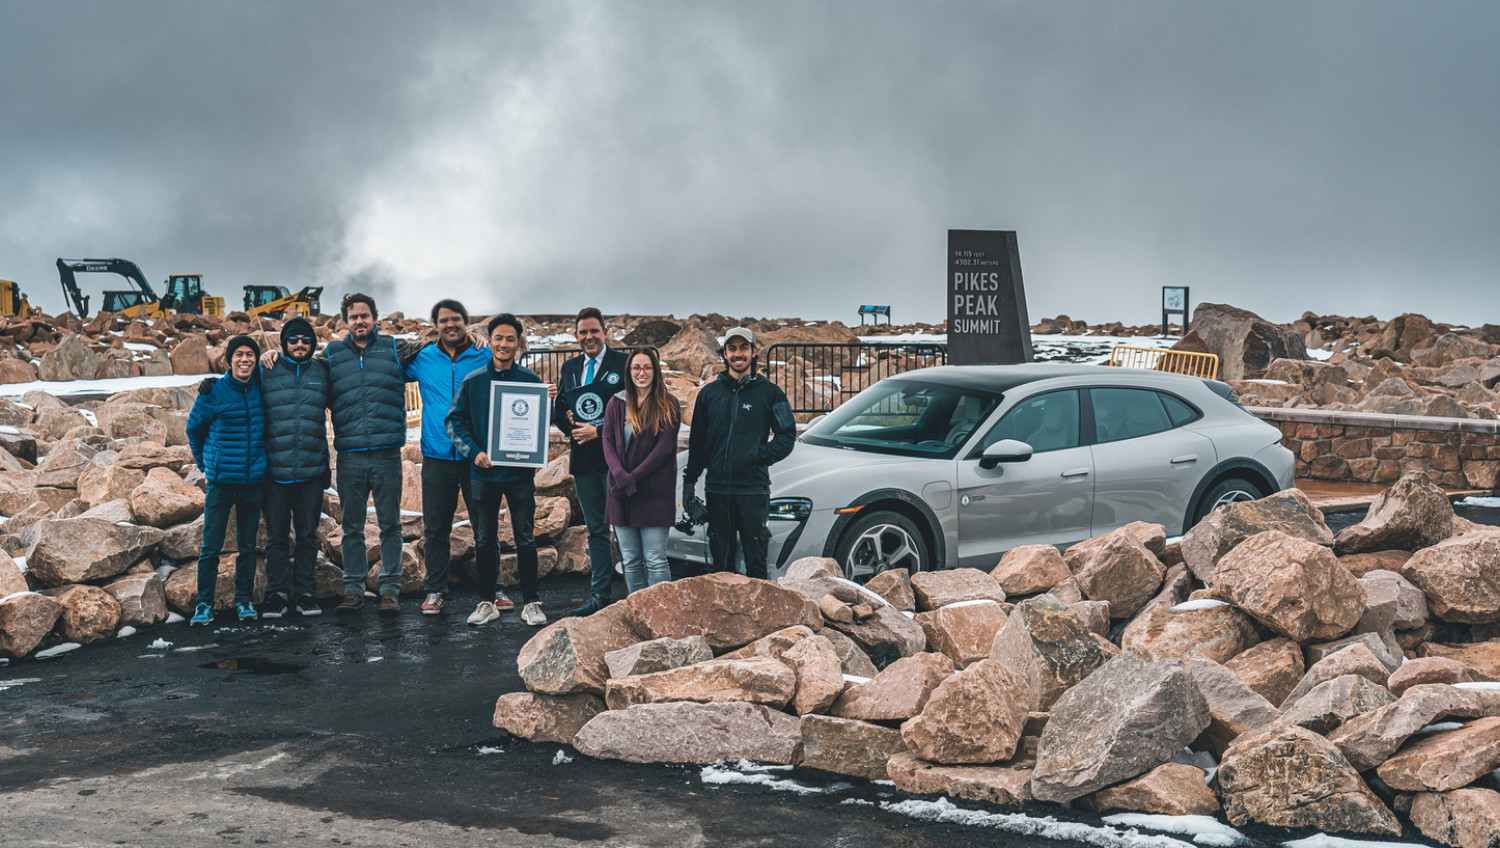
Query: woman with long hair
<point x="640" y="447"/>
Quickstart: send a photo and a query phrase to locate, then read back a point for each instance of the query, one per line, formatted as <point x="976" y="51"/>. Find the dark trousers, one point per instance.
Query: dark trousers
<point x="520" y="500"/>
<point x="292" y="511"/>
<point x="245" y="500"/>
<point x="362" y="474"/>
<point x="591" y="499"/>
<point x="738" y="523"/>
<point x="443" y="480"/>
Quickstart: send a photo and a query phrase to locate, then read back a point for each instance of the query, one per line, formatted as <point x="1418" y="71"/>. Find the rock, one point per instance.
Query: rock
<point x="17" y="491"/>
<point x="551" y="517"/>
<point x="142" y="598"/>
<point x="1331" y="703"/>
<point x="974" y="716"/>
<point x="965" y="632"/>
<point x="657" y="655"/>
<point x="936" y="589"/>
<point x="17" y="371"/>
<point x="1369" y="739"/>
<point x="1427" y="670"/>
<point x="184" y="541"/>
<point x="1464" y="818"/>
<point x="56" y="422"/>
<point x="895" y="586"/>
<point x="852" y="659"/>
<point x="1288" y="776"/>
<point x="1119" y="722"/>
<point x="757" y="680"/>
<point x="145" y="456"/>
<point x="12" y="580"/>
<point x="808" y="568"/>
<point x="691" y="733"/>
<point x="1381" y="645"/>
<point x="693" y="351"/>
<point x="1066" y="592"/>
<point x="88" y="615"/>
<point x="1356" y="659"/>
<point x="112" y="482"/>
<point x="820" y="676"/>
<point x="1293" y="586"/>
<point x="834" y="610"/>
<point x="163" y="499"/>
<point x="25" y="619"/>
<point x="63" y="465"/>
<point x="78" y="550"/>
<point x="1048" y="645"/>
<point x="190" y="355"/>
<point x="1445" y="760"/>
<point x="1410" y="515"/>
<point x="1233" y="707"/>
<point x="1211" y="629"/>
<point x="1482" y="658"/>
<point x="1118" y="569"/>
<point x="849" y="747"/>
<point x="1175" y="588"/>
<point x="729" y="610"/>
<point x="1272" y="668"/>
<point x="1460" y="577"/>
<point x="1245" y="343"/>
<point x="1170" y="789"/>
<point x="1030" y="569"/>
<point x="1391" y="603"/>
<point x="1003" y="785"/>
<point x="70" y="360"/>
<point x="886" y="636"/>
<point x="567" y="656"/>
<point x="1095" y="616"/>
<point x="898" y="692"/>
<point x="1289" y="511"/>
<point x="545" y="718"/>
<point x="1362" y="564"/>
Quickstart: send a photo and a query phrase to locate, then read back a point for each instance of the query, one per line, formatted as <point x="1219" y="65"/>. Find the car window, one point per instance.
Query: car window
<point x="1047" y="422"/>
<point x="910" y="418"/>
<point x="1177" y="410"/>
<point x="1128" y="413"/>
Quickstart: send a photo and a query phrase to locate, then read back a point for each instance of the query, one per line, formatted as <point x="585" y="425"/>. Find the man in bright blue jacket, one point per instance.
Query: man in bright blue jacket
<point x="226" y="431"/>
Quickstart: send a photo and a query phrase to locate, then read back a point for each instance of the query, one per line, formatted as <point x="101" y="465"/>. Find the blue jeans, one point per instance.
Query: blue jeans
<point x="643" y="555"/>
<point x="246" y="502"/>
<point x="590" y="488"/>
<point x="362" y="474"/>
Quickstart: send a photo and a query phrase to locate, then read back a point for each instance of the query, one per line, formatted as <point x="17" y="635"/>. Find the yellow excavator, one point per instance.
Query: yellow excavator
<point x="280" y="303"/>
<point x="13" y="301"/>
<point x="184" y="291"/>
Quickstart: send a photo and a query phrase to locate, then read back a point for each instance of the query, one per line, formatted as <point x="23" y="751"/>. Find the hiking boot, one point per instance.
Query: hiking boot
<point x="203" y="616"/>
<point x="307" y="605"/>
<point x="274" y="607"/>
<point x="590" y="606"/>
<point x="351" y="604"/>
<point x="390" y="606"/>
<point x="503" y="603"/>
<point x="532" y="614"/>
<point x="433" y="604"/>
<point x="245" y="611"/>
<point x="484" y="613"/>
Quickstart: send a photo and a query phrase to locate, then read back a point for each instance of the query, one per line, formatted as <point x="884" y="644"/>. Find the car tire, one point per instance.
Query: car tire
<point x="1227" y="491"/>
<point x="881" y="541"/>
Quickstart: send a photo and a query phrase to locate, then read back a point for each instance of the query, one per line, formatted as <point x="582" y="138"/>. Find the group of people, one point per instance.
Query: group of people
<point x="259" y="435"/>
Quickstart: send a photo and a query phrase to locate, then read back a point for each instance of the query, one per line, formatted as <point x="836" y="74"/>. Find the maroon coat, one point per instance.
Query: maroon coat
<point x="642" y="485"/>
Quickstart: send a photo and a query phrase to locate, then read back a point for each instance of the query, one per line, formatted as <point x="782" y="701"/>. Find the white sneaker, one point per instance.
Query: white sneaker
<point x="484" y="613"/>
<point x="532" y="614"/>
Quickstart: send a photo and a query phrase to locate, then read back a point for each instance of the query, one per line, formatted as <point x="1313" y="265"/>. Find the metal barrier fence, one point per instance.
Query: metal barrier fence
<point x="546" y="363"/>
<point x="1176" y="361"/>
<point x="819" y="377"/>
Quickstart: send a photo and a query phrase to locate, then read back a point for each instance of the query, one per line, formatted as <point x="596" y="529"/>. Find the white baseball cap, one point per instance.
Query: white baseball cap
<point x="740" y="333"/>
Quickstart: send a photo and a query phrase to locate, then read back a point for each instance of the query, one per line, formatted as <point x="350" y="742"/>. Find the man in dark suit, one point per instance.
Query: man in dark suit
<point x="586" y="384"/>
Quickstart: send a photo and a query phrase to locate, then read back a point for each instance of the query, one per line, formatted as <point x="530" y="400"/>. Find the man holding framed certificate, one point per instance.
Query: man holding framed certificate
<point x="499" y="423"/>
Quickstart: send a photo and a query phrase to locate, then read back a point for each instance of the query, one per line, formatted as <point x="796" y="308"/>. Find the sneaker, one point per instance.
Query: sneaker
<point x="484" y="613"/>
<point x="532" y="614"/>
<point x="203" y="616"/>
<point x="433" y="604"/>
<point x="351" y="604"/>
<point x="307" y="605"/>
<point x="390" y="606"/>
<point x="274" y="607"/>
<point x="503" y="603"/>
<point x="246" y="611"/>
<point x="590" y="606"/>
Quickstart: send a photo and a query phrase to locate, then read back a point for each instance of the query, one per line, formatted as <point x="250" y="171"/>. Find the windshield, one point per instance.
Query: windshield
<point x="907" y="418"/>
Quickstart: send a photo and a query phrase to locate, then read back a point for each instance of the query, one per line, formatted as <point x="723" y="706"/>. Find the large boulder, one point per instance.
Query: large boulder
<point x="70" y="360"/>
<point x="1170" y="789"/>
<point x="898" y="692"/>
<point x="893" y="584"/>
<point x="1427" y="670"/>
<point x="1293" y="586"/>
<point x="693" y="351"/>
<point x="1030" y="569"/>
<point x="975" y="716"/>
<point x="164" y="499"/>
<point x="657" y="655"/>
<point x="1410" y="515"/>
<point x="1356" y="659"/>
<point x="1288" y="776"/>
<point x="887" y="635"/>
<point x="691" y="733"/>
<point x="964" y="631"/>
<point x="1370" y="739"/>
<point x="142" y="598"/>
<point x="756" y="680"/>
<point x="1049" y="646"/>
<point x="937" y="589"/>
<point x="1119" y="722"/>
<point x="1007" y="786"/>
<point x="1460" y="577"/>
<point x="12" y="580"/>
<point x="64" y="463"/>
<point x="1391" y="603"/>
<point x="1245" y="343"/>
<point x="25" y="619"/>
<point x="1289" y="511"/>
<point x="545" y="718"/>
<point x="1463" y="818"/>
<point x="1445" y="760"/>
<point x="89" y="613"/>
<point x="729" y="610"/>
<point x="1205" y="628"/>
<point x="1328" y="705"/>
<point x="1119" y="569"/>
<point x="567" y="656"/>
<point x="1273" y="668"/>
<point x="112" y="482"/>
<point x="190" y="355"/>
<point x="79" y="550"/>
<point x="850" y="747"/>
<point x="1233" y="707"/>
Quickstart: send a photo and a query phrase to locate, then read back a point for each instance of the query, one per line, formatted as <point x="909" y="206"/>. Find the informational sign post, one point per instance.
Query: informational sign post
<point x="519" y="416"/>
<point x="1174" y="301"/>
<point x="987" y="323"/>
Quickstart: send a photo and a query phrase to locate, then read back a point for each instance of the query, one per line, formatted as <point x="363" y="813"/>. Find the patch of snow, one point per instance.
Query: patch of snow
<point x="19" y="681"/>
<point x="869" y="593"/>
<point x="850" y="678"/>
<point x="16" y="595"/>
<point x="1265" y="382"/>
<point x="141" y="346"/>
<point x="486" y="750"/>
<point x="975" y="602"/>
<point x="127" y="630"/>
<point x="1204" y="830"/>
<point x="1323" y="840"/>
<point x="1318" y="353"/>
<point x="1438" y="727"/>
<point x="1486" y="503"/>
<point x="21" y="563"/>
<point x="944" y="811"/>
<point x="856" y="802"/>
<point x="160" y="644"/>
<point x="561" y="758"/>
<point x="57" y="650"/>
<point x="890" y="783"/>
<point x="76" y="388"/>
<point x="716" y="775"/>
<point x="1200" y="604"/>
<point x="1481" y="684"/>
<point x="175" y="618"/>
<point x="375" y="659"/>
<point x="165" y="570"/>
<point x="191" y="648"/>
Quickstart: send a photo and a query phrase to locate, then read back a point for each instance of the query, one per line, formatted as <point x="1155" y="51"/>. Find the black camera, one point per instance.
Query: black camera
<point x="694" y="514"/>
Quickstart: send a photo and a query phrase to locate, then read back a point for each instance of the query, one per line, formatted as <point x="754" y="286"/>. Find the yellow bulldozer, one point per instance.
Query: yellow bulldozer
<point x="279" y="303"/>
<point x="13" y="301"/>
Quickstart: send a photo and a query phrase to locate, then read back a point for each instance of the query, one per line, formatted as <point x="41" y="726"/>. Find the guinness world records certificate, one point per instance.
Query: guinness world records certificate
<point x="520" y="414"/>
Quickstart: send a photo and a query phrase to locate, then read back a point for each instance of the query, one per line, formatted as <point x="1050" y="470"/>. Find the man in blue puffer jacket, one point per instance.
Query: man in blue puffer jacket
<point x="226" y="431"/>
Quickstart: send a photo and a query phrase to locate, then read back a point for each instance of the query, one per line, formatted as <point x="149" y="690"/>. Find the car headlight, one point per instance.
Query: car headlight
<point x="790" y="509"/>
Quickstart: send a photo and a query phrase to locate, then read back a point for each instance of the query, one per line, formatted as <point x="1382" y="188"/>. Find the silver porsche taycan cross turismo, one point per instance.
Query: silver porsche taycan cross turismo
<point x="954" y="466"/>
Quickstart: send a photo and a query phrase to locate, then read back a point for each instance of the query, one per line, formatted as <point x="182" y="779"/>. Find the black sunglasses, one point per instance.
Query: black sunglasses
<point x="301" y="339"/>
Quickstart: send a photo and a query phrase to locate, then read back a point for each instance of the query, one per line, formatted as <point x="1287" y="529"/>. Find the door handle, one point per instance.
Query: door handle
<point x="1075" y="472"/>
<point x="1185" y="458"/>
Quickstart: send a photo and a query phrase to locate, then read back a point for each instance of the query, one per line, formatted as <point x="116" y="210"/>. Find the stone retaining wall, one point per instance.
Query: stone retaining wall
<point x="1365" y="447"/>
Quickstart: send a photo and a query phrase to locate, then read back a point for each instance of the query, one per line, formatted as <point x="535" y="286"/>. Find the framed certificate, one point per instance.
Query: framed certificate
<point x="520" y="414"/>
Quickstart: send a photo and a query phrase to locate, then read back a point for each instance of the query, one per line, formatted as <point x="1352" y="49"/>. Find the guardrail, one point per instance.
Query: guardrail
<point x="819" y="377"/>
<point x="1176" y="361"/>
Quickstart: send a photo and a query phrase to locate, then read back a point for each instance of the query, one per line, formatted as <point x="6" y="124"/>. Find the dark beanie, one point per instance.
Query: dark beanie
<point x="237" y="342"/>
<point x="297" y="326"/>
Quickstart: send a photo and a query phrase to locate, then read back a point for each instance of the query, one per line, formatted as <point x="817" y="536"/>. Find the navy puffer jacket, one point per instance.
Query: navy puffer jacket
<point x="369" y="394"/>
<point x="227" y="432"/>
<point x="296" y="419"/>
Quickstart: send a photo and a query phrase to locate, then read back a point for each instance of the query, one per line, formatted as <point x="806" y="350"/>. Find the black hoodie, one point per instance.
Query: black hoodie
<point x="740" y="429"/>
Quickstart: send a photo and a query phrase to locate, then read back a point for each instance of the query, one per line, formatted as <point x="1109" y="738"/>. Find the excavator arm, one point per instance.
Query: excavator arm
<point x="67" y="270"/>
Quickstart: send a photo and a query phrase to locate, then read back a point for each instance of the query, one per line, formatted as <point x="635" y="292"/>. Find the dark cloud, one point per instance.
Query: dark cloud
<point x="771" y="158"/>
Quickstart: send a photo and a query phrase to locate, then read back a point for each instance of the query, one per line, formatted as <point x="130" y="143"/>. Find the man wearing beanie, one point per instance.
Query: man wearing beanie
<point x="226" y="431"/>
<point x="296" y="388"/>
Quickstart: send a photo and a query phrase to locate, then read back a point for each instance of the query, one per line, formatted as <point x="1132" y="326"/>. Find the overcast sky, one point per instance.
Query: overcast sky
<point x="762" y="158"/>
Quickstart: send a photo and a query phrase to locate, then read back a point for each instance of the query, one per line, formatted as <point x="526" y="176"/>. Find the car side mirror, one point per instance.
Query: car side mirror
<point x="1005" y="450"/>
